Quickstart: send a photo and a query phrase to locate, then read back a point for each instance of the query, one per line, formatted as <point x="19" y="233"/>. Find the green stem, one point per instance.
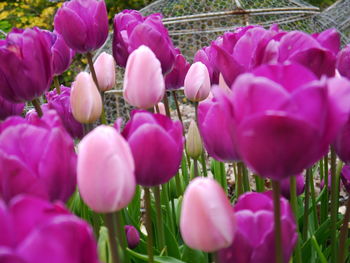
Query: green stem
<point x="57" y="84"/>
<point x="313" y="200"/>
<point x="246" y="179"/>
<point x="109" y="221"/>
<point x="259" y="182"/>
<point x="36" y="104"/>
<point x="334" y="208"/>
<point x="160" y="226"/>
<point x="166" y="105"/>
<point x="204" y="164"/>
<point x="277" y="218"/>
<point x="195" y="168"/>
<point x="344" y="233"/>
<point x="321" y="256"/>
<point x="178" y="185"/>
<point x="324" y="200"/>
<point x="239" y="179"/>
<point x="177" y="107"/>
<point x="165" y="201"/>
<point x="306" y="204"/>
<point x="149" y="225"/>
<point x="103" y="113"/>
<point x="121" y="234"/>
<point x="294" y="204"/>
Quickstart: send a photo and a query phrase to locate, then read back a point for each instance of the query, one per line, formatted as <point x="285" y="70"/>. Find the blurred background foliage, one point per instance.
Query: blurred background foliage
<point x="30" y="13"/>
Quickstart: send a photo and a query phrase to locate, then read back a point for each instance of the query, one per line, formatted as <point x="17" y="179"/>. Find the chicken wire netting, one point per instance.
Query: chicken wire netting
<point x="193" y="24"/>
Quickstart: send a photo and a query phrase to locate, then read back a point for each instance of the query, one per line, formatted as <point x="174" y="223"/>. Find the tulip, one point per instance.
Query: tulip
<point x="161" y="108"/>
<point x="37" y="157"/>
<point x="25" y="65"/>
<point x="194" y="146"/>
<point x="143" y="86"/>
<point x="105" y="71"/>
<point x="216" y="125"/>
<point x="197" y="82"/>
<point x="34" y="230"/>
<point x="132" y="30"/>
<point x="83" y="24"/>
<point x="207" y="220"/>
<point x="175" y="79"/>
<point x="345" y="177"/>
<point x="8" y="108"/>
<point x="285" y="186"/>
<point x="276" y="133"/>
<point x="343" y="62"/>
<point x="132" y="236"/>
<point x="254" y="240"/>
<point x="85" y="99"/>
<point x="156" y="143"/>
<point x="105" y="170"/>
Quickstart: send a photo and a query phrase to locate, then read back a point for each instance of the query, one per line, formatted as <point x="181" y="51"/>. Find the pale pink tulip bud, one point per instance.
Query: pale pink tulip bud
<point x="105" y="170"/>
<point x="85" y="99"/>
<point x="161" y="108"/>
<point x="197" y="82"/>
<point x="105" y="71"/>
<point x="194" y="146"/>
<point x="144" y="84"/>
<point x="207" y="219"/>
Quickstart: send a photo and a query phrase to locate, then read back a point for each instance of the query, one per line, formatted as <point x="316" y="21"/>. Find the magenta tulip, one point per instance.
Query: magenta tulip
<point x="132" y="236"/>
<point x="34" y="230"/>
<point x="25" y="65"/>
<point x="343" y="62"/>
<point x="345" y="177"/>
<point x="300" y="186"/>
<point x="143" y="86"/>
<point x="105" y="170"/>
<point x="254" y="240"/>
<point x="207" y="220"/>
<point x="105" y="71"/>
<point x="37" y="157"/>
<point x="176" y="77"/>
<point x="197" y="82"/>
<point x="7" y="108"/>
<point x="83" y="24"/>
<point x="157" y="144"/>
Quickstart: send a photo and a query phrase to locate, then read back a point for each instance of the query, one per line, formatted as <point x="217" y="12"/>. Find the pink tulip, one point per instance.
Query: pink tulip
<point x="144" y="84"/>
<point x="85" y="99"/>
<point x="105" y="170"/>
<point x="207" y="220"/>
<point x="197" y="82"/>
<point x="105" y="71"/>
<point x="161" y="108"/>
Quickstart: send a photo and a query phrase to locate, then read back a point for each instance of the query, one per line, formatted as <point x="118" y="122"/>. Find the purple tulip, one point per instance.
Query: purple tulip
<point x="156" y="143"/>
<point x="300" y="185"/>
<point x="176" y="77"/>
<point x="83" y="24"/>
<point x="343" y="62"/>
<point x="132" y="30"/>
<point x="254" y="240"/>
<point x="329" y="39"/>
<point x="345" y="177"/>
<point x="25" y="65"/>
<point x="34" y="230"/>
<point x="8" y="108"/>
<point x="132" y="236"/>
<point x="284" y="124"/>
<point x="217" y="125"/>
<point x="37" y="157"/>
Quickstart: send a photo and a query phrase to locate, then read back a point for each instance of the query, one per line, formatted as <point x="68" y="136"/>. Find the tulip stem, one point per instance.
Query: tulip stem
<point x="293" y="201"/>
<point x="103" y="113"/>
<point x="204" y="164"/>
<point x="246" y="179"/>
<point x="344" y="233"/>
<point x="149" y="225"/>
<point x="277" y="217"/>
<point x="109" y="220"/>
<point x="215" y="257"/>
<point x="195" y="168"/>
<point x="239" y="179"/>
<point x="177" y="107"/>
<point x="259" y="184"/>
<point x="306" y="204"/>
<point x="166" y="104"/>
<point x="57" y="84"/>
<point x="121" y="234"/>
<point x="324" y="202"/>
<point x="36" y="104"/>
<point x="160" y="226"/>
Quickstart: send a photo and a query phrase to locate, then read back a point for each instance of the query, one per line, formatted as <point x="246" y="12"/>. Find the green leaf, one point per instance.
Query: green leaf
<point x="191" y="255"/>
<point x="103" y="245"/>
<point x="157" y="259"/>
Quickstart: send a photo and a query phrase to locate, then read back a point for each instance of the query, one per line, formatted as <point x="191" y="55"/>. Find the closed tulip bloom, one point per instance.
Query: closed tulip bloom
<point x="85" y="99"/>
<point x="176" y="77"/>
<point x="143" y="86"/>
<point x="217" y="126"/>
<point x="105" y="170"/>
<point x="207" y="220"/>
<point x="105" y="71"/>
<point x="25" y="65"/>
<point x="37" y="157"/>
<point x="197" y="82"/>
<point x="83" y="24"/>
<point x="8" y="108"/>
<point x="300" y="185"/>
<point x="194" y="145"/>
<point x="62" y="55"/>
<point x="343" y="62"/>
<point x="254" y="240"/>
<point x="132" y="236"/>
<point x="156" y="143"/>
<point x="277" y="134"/>
<point x="34" y="230"/>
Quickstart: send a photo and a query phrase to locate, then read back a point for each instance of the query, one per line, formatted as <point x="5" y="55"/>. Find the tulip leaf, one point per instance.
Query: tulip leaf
<point x="103" y="245"/>
<point x="157" y="259"/>
<point x="134" y="208"/>
<point x="191" y="255"/>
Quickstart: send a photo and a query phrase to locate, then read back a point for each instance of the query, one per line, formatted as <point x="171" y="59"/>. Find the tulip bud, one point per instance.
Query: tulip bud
<point x="207" y="219"/>
<point x="85" y="99"/>
<point x="285" y="185"/>
<point x="161" y="108"/>
<point x="194" y="142"/>
<point x="197" y="82"/>
<point x="105" y="71"/>
<point x="143" y="86"/>
<point x="132" y="236"/>
<point x="105" y="170"/>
